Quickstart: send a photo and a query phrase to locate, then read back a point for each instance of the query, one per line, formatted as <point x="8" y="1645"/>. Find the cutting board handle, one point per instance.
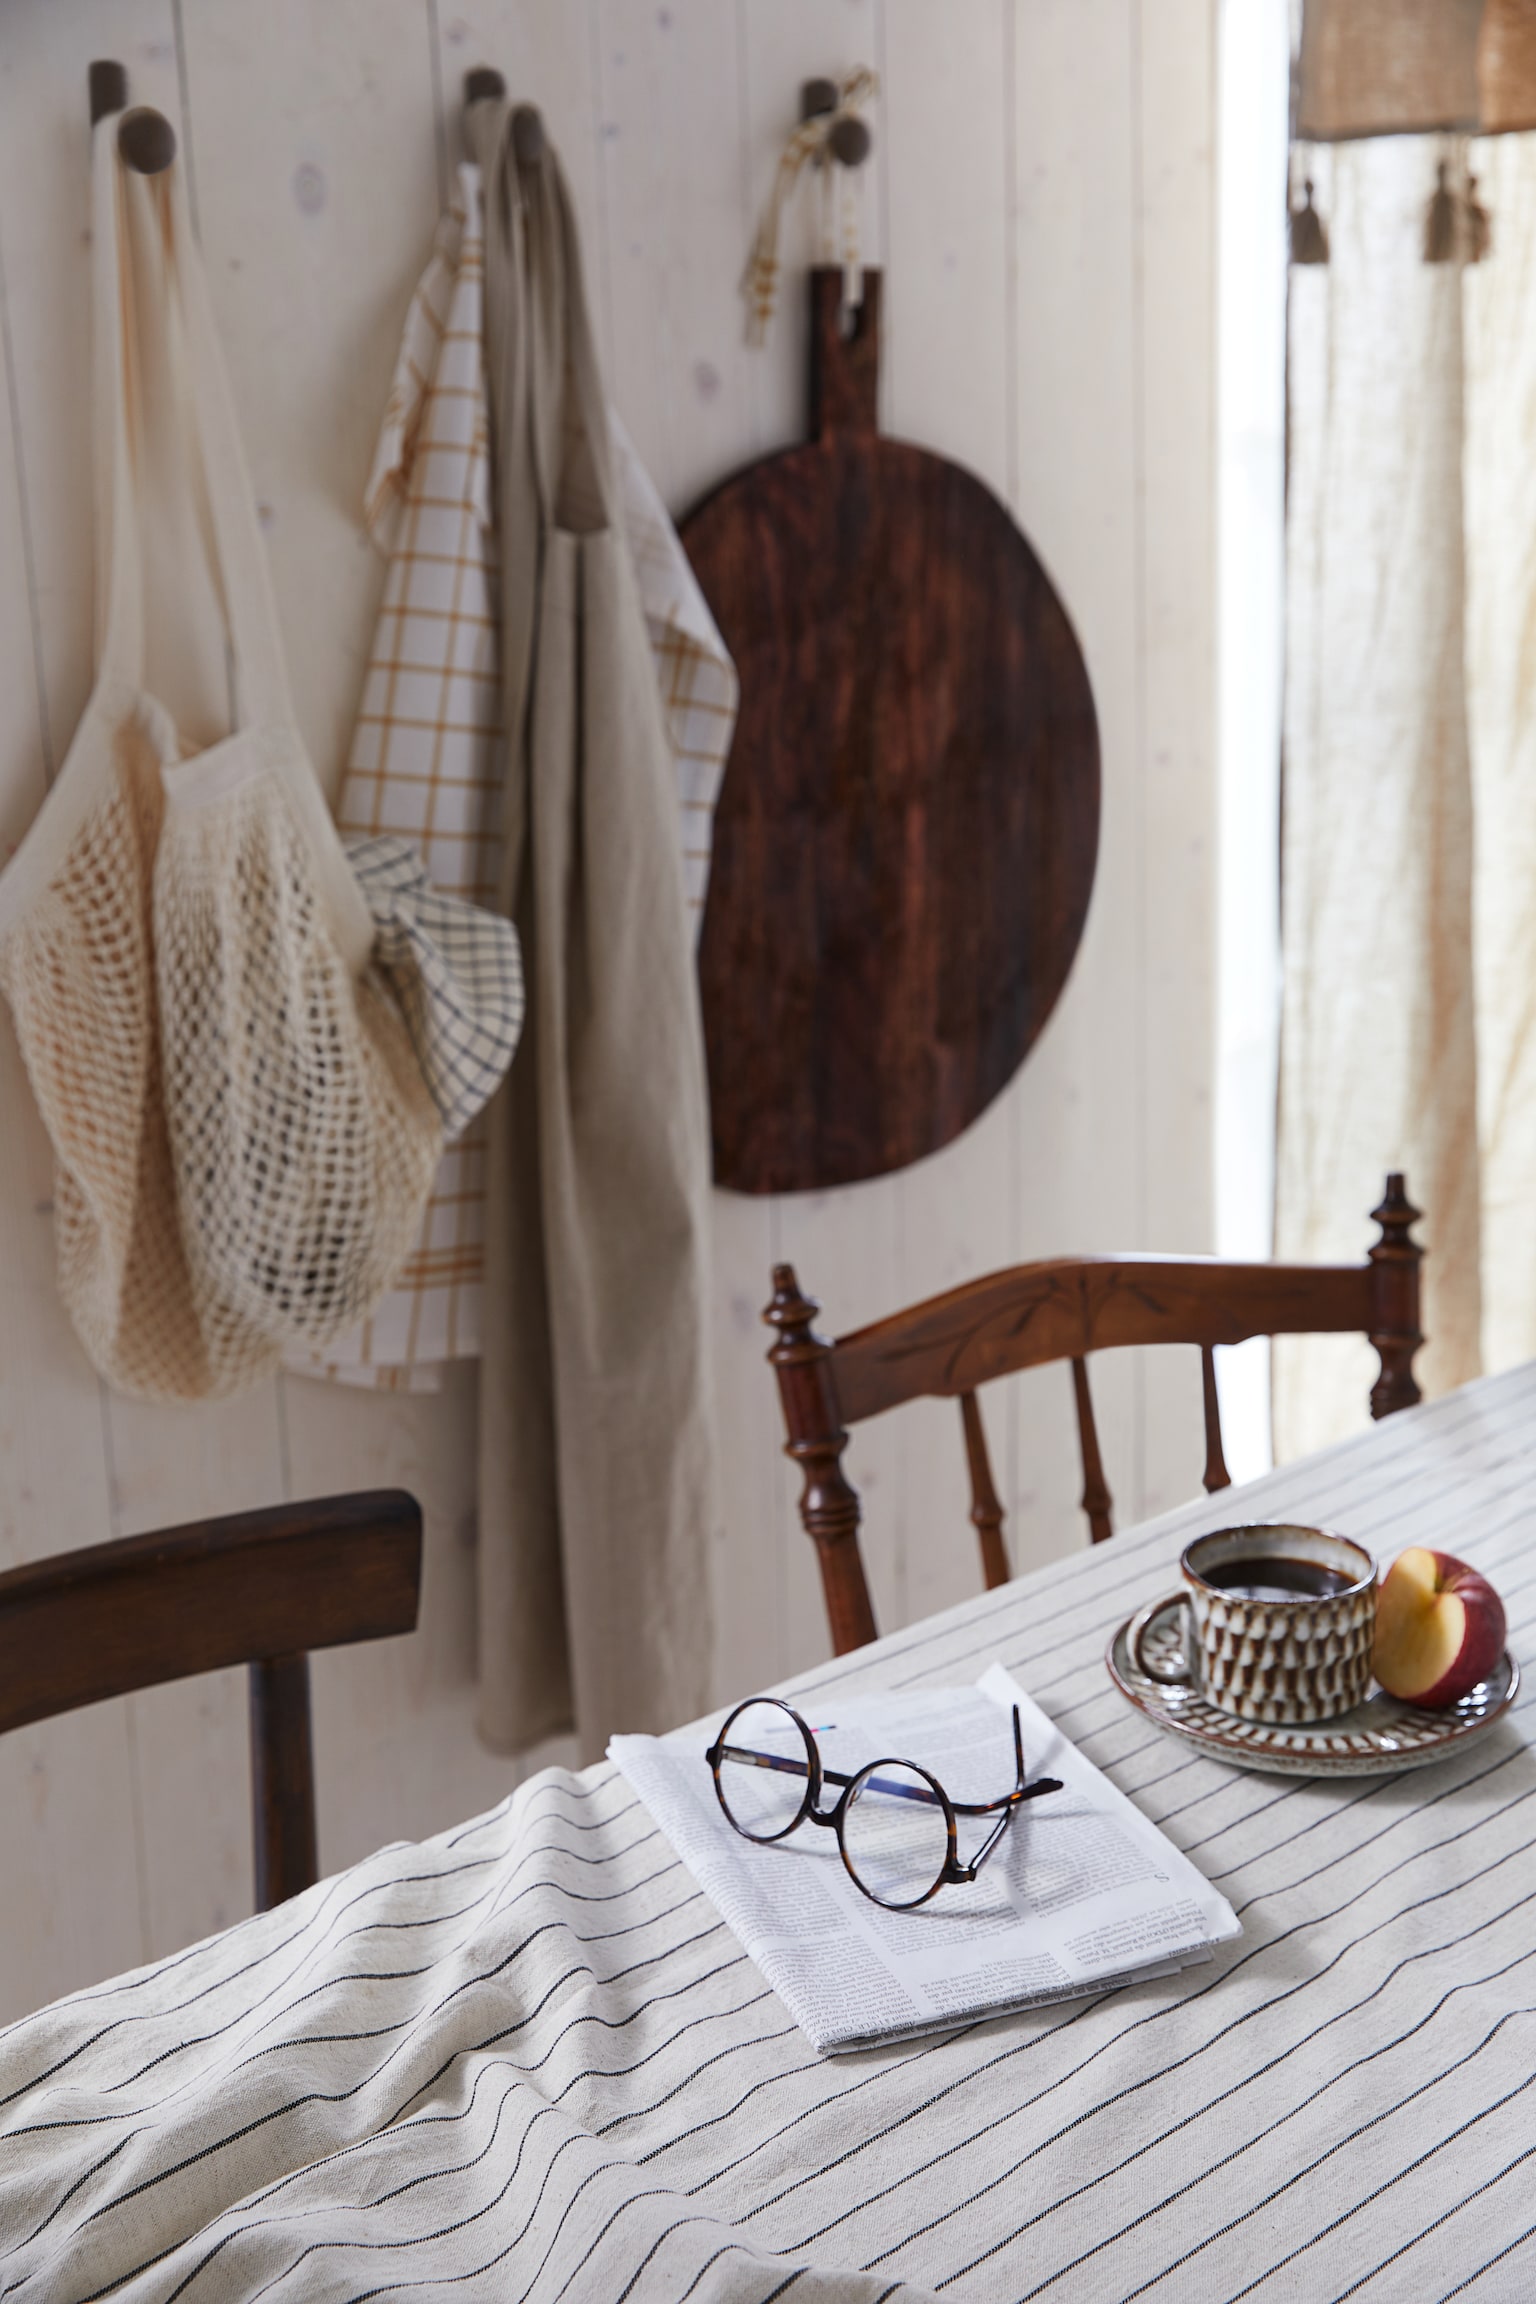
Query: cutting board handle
<point x="845" y="370"/>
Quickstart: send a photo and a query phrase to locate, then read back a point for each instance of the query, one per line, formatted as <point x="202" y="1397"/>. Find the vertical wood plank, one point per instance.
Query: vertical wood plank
<point x="312" y="134"/>
<point x="1176" y="911"/>
<point x="396" y="1754"/>
<point x="68" y="1788"/>
<point x="1078" y="1178"/>
<point x="674" y="233"/>
<point x="843" y="1243"/>
<point x="948" y="360"/>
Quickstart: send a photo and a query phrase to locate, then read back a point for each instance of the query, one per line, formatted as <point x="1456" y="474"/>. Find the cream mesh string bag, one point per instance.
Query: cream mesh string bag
<point x="243" y="1137"/>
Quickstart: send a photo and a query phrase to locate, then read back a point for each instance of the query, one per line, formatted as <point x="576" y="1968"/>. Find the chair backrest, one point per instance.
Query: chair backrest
<point x="256" y="1588"/>
<point x="1062" y="1309"/>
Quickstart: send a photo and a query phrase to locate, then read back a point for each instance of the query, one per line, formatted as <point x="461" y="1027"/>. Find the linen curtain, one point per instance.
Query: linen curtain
<point x="1408" y="1035"/>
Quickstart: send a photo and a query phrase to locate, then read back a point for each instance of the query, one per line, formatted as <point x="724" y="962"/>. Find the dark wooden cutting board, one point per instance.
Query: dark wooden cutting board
<point x="906" y="833"/>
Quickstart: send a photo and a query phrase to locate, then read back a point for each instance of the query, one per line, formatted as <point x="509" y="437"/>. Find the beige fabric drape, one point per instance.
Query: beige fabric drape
<point x="1500" y="470"/>
<point x="596" y="1479"/>
<point x="1409" y="840"/>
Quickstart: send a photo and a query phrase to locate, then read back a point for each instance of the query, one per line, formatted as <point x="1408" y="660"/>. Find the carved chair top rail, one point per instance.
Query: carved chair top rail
<point x="100" y="1622"/>
<point x="1068" y="1306"/>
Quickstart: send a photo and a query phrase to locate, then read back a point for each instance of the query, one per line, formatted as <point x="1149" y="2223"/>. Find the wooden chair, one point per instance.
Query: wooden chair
<point x="1062" y="1309"/>
<point x="258" y="1588"/>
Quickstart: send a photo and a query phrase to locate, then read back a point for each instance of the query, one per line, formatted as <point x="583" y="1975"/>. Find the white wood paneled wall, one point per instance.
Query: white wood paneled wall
<point x="1041" y="196"/>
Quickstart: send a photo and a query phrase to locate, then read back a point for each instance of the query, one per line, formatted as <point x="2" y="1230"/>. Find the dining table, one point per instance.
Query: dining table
<point x="528" y="2059"/>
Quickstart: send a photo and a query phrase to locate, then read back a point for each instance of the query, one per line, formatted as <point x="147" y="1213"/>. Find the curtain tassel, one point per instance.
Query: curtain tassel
<point x="1309" y="236"/>
<point x="1442" y="240"/>
<point x="1479" y="225"/>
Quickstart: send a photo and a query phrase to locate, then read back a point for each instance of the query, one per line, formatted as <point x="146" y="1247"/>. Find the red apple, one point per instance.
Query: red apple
<point x="1439" y="1629"/>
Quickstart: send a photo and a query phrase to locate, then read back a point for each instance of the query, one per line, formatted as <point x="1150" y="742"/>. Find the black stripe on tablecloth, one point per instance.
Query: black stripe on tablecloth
<point x="1488" y="2264"/>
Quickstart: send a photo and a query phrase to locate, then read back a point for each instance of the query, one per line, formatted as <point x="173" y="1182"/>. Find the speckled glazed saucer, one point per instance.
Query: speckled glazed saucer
<point x="1380" y="1737"/>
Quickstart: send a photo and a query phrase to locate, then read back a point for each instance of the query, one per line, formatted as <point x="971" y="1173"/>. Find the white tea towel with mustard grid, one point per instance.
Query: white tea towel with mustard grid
<point x="427" y="760"/>
<point x="243" y="1139"/>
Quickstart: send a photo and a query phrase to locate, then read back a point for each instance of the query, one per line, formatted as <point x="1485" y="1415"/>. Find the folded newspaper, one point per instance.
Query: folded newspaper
<point x="1083" y="1892"/>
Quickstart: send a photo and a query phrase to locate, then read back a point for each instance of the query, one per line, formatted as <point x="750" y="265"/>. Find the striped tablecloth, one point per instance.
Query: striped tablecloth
<point x="527" y="2059"/>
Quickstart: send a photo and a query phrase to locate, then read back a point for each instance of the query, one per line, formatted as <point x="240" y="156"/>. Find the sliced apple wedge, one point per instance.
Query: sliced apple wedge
<point x="1439" y="1629"/>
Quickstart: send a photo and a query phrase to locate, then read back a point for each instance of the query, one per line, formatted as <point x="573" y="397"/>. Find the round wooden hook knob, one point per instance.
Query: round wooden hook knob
<point x="483" y="81"/>
<point x="816" y="98"/>
<point x="849" y="141"/>
<point x="108" y="85"/>
<point x="146" y="140"/>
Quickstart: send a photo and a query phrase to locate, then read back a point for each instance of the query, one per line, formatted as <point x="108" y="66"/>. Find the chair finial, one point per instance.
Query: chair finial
<point x="792" y="1314"/>
<point x="1395" y="1259"/>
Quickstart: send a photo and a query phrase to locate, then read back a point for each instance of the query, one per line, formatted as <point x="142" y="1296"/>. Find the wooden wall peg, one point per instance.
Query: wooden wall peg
<point x="108" y="85"/>
<point x="849" y="141"/>
<point x="146" y="140"/>
<point x="527" y="135"/>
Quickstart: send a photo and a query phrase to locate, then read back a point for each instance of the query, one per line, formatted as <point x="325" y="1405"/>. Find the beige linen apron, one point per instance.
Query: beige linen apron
<point x="596" y="1475"/>
<point x="243" y="1139"/>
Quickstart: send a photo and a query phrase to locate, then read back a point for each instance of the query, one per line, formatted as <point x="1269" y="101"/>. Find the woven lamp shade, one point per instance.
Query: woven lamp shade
<point x="1404" y="67"/>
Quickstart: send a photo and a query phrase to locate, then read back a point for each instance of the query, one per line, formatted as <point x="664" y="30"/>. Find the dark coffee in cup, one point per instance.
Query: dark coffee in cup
<point x="1275" y="1576"/>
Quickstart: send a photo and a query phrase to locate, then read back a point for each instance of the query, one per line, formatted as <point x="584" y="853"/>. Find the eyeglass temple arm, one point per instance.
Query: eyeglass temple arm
<point x="1025" y="1792"/>
<point x="1021" y="1790"/>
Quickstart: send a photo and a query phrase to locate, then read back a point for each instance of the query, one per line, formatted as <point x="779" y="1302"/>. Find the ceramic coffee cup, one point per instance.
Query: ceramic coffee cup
<point x="1277" y="1624"/>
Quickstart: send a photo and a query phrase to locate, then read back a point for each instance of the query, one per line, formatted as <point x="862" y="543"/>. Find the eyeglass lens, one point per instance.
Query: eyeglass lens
<point x="763" y="1772"/>
<point x="895" y="1836"/>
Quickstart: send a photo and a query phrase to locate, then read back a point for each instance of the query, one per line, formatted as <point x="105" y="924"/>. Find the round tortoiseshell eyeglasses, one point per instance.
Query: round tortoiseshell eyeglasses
<point x="895" y="1823"/>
